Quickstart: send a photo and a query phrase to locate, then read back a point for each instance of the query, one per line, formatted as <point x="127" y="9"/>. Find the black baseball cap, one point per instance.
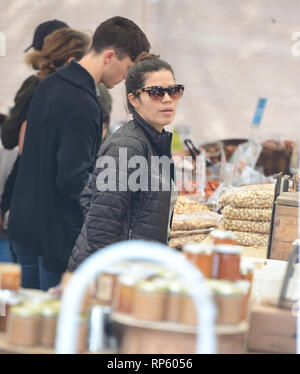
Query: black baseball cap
<point x="43" y="30"/>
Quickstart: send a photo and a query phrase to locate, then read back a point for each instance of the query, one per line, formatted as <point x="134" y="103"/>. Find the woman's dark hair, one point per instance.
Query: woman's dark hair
<point x="58" y="47"/>
<point x="136" y="75"/>
<point x="121" y="34"/>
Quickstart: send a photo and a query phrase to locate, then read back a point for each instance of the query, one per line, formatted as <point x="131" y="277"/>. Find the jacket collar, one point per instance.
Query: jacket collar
<point x="79" y="76"/>
<point x="161" y="140"/>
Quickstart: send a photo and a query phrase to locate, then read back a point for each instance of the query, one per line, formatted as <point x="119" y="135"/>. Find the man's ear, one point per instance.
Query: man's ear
<point x="70" y="59"/>
<point x="109" y="55"/>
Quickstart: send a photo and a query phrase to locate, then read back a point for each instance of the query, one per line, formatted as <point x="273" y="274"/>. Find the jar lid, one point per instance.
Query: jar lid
<point x="51" y="309"/>
<point x="244" y="285"/>
<point x="176" y="287"/>
<point x="128" y="280"/>
<point x="223" y="234"/>
<point x="25" y="310"/>
<point x="228" y="249"/>
<point x="226" y="288"/>
<point x="150" y="286"/>
<point x="10" y="267"/>
<point x="196" y="248"/>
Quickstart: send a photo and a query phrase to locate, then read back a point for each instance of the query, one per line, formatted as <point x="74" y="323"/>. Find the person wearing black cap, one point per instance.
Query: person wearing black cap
<point x="17" y="115"/>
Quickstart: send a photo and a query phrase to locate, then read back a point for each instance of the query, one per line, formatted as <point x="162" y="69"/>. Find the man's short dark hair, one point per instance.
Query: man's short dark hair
<point x="121" y="34"/>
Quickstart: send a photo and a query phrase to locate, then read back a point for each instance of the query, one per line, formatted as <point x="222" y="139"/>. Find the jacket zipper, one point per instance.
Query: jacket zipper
<point x="130" y="234"/>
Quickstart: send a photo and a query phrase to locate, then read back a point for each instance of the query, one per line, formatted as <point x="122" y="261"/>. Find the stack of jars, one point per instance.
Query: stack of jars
<point x="220" y="261"/>
<point x="34" y="323"/>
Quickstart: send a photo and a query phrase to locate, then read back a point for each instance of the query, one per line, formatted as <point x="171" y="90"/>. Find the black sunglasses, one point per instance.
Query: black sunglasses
<point x="157" y="93"/>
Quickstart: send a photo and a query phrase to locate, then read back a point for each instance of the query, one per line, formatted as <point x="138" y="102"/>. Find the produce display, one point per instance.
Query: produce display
<point x="253" y="196"/>
<point x="195" y="221"/>
<point x="185" y="205"/>
<point x="179" y="242"/>
<point x="230" y="212"/>
<point x="262" y="227"/>
<point x="192" y="222"/>
<point x="252" y="240"/>
<point x="247" y="212"/>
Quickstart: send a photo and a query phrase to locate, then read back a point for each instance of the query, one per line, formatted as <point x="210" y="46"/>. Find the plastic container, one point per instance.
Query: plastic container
<point x="226" y="262"/>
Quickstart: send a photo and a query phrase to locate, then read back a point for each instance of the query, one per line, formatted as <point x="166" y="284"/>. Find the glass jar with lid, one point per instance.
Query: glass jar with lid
<point x="202" y="257"/>
<point x="150" y="300"/>
<point x="49" y="312"/>
<point x="24" y="322"/>
<point x="175" y="299"/>
<point x="188" y="313"/>
<point x="226" y="262"/>
<point x="10" y="276"/>
<point x="229" y="302"/>
<point x="223" y="237"/>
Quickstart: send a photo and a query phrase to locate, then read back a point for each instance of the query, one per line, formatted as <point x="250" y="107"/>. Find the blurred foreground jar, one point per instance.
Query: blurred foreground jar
<point x="10" y="276"/>
<point x="125" y="294"/>
<point x="223" y="237"/>
<point x="175" y="300"/>
<point x="49" y="314"/>
<point x="85" y="304"/>
<point x="244" y="285"/>
<point x="24" y="323"/>
<point x="229" y="301"/>
<point x="150" y="301"/>
<point x="202" y="257"/>
<point x="106" y="285"/>
<point x="188" y="313"/>
<point x="8" y="299"/>
<point x="226" y="262"/>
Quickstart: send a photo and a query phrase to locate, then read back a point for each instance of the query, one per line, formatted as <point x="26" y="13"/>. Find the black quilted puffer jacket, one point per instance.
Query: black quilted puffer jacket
<point x="112" y="216"/>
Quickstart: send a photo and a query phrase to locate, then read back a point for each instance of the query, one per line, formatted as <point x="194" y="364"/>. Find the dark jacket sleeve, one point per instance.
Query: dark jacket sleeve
<point x="85" y="198"/>
<point x="11" y="126"/>
<point x="76" y="155"/>
<point x="104" y="220"/>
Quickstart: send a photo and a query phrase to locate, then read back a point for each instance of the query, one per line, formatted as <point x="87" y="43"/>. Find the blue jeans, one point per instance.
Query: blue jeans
<point x="34" y="274"/>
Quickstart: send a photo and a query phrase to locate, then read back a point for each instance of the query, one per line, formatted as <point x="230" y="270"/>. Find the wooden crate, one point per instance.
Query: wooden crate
<point x="285" y="226"/>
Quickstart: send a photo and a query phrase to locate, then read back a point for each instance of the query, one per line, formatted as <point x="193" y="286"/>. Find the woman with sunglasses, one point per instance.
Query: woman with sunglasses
<point x="134" y="201"/>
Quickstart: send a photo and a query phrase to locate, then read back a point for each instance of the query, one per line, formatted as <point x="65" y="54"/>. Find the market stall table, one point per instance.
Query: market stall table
<point x="156" y="337"/>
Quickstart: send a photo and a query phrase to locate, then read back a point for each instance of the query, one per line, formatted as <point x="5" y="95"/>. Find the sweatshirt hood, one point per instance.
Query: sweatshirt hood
<point x="78" y="76"/>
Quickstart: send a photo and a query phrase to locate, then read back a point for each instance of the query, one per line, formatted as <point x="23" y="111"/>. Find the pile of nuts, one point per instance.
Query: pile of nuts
<point x="247" y="212"/>
<point x="192" y="227"/>
<point x="185" y="205"/>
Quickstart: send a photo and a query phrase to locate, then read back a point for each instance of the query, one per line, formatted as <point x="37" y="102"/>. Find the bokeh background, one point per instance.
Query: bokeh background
<point x="228" y="53"/>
